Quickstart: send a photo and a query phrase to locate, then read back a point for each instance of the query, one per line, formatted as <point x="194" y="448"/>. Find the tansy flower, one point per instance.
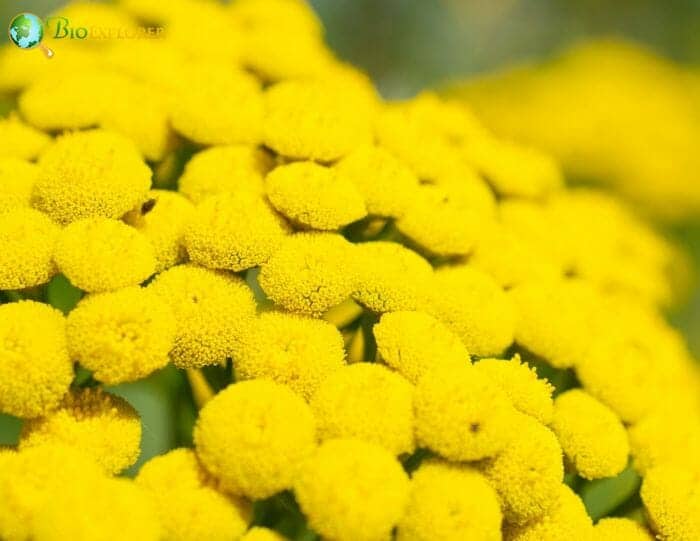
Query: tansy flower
<point x="122" y="335"/>
<point x="591" y="435"/>
<point x="275" y="432"/>
<point x="352" y="490"/>
<point x="35" y="369"/>
<point x="450" y="502"/>
<point x="566" y="520"/>
<point x="162" y="220"/>
<point x="554" y="319"/>
<point x="92" y="173"/>
<point x="460" y="414"/>
<point x="71" y="99"/>
<point x="234" y="231"/>
<point x="520" y="383"/>
<point x="295" y="350"/>
<point x="672" y="502"/>
<point x="258" y="533"/>
<point x="474" y="307"/>
<point x="514" y="170"/>
<point x="188" y="507"/>
<point x="101" y="424"/>
<point x="28" y="238"/>
<point x="314" y="196"/>
<point x="621" y="529"/>
<point x="17" y="178"/>
<point x="385" y="183"/>
<point x="528" y="472"/>
<point x="107" y="509"/>
<point x="309" y="273"/>
<point x="446" y="219"/>
<point x="18" y="140"/>
<point x="222" y="169"/>
<point x="414" y="343"/>
<point x="31" y="478"/>
<point x="216" y="104"/>
<point x="212" y="309"/>
<point x="391" y="277"/>
<point x="314" y="120"/>
<point x="99" y="254"/>
<point x="366" y="401"/>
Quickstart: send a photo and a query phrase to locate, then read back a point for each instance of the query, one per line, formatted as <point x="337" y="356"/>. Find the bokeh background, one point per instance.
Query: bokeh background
<point x="409" y="45"/>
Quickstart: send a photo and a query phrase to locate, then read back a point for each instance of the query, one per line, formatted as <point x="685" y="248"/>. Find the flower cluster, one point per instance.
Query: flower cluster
<point x="426" y="333"/>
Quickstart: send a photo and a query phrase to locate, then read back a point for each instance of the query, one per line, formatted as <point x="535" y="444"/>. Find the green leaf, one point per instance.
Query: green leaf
<point x="61" y="294"/>
<point x="603" y="496"/>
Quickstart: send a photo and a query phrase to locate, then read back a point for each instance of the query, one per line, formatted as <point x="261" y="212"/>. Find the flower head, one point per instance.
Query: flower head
<point x="211" y="311"/>
<point x="352" y="490"/>
<point x="35" y="369"/>
<point x="621" y="529"/>
<point x="99" y="254"/>
<point x="18" y="140"/>
<point x="28" y="238"/>
<point x="298" y="351"/>
<point x="275" y="433"/>
<point x="450" y="502"/>
<point x="17" y="178"/>
<point x="369" y="402"/>
<point x="122" y="335"/>
<point x="101" y="424"/>
<point x="89" y="174"/>
<point x="314" y="196"/>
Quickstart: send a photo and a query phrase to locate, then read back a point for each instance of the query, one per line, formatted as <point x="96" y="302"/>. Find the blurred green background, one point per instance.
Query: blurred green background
<point x="407" y="45"/>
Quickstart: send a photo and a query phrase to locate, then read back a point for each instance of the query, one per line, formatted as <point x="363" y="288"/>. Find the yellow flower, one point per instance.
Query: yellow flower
<point x="212" y="309"/>
<point x="18" y="140"/>
<point x="297" y="351"/>
<point x="188" y="507"/>
<point x="474" y="307"/>
<point x="450" y="502"/>
<point x="670" y="496"/>
<point x="28" y="238"/>
<point x="391" y="277"/>
<point x="30" y="479"/>
<point x="162" y="220"/>
<point x="386" y="184"/>
<point x="519" y="381"/>
<point x="351" y="490"/>
<point x="309" y="273"/>
<point x="99" y="254"/>
<point x="17" y="178"/>
<point x="591" y="435"/>
<point x="414" y="343"/>
<point x="554" y="319"/>
<point x="314" y="196"/>
<point x="91" y="173"/>
<point x="216" y="104"/>
<point x="514" y="170"/>
<point x="230" y="169"/>
<point x="35" y="369"/>
<point x="314" y="120"/>
<point x="621" y="529"/>
<point x="100" y="424"/>
<point x="528" y="472"/>
<point x="447" y="218"/>
<point x="234" y="231"/>
<point x="122" y="335"/>
<point x="565" y="521"/>
<point x="274" y="434"/>
<point x="368" y="402"/>
<point x="461" y="414"/>
<point x="106" y="509"/>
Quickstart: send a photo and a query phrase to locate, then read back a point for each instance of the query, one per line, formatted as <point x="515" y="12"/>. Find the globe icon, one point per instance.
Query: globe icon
<point x="26" y="30"/>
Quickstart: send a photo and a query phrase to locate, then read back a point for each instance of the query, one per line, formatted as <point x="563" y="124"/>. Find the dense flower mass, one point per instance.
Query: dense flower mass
<point x="383" y="320"/>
